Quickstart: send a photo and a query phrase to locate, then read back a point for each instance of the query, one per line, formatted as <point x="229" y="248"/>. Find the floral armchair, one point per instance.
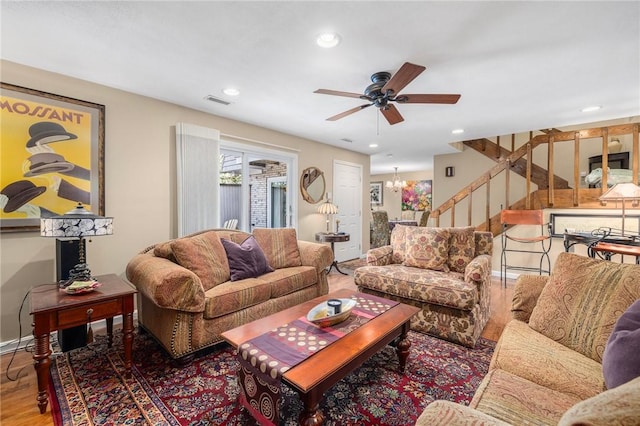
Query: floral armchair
<point x="444" y="271"/>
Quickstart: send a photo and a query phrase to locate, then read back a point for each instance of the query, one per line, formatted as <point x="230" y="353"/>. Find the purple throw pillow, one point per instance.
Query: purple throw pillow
<point x="621" y="358"/>
<point x="246" y="260"/>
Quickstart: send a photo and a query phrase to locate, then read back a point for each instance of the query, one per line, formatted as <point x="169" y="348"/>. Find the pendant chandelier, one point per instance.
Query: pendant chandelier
<point x="396" y="184"/>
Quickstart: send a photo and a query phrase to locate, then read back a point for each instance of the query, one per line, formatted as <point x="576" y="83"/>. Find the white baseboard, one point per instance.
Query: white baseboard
<point x="510" y="275"/>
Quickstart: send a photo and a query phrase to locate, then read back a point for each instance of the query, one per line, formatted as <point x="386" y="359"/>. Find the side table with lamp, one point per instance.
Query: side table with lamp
<point x="328" y="209"/>
<point x="622" y="192"/>
<point x="77" y="298"/>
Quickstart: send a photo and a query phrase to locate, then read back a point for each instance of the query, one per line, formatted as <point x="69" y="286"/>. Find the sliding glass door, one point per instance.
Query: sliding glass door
<point x="254" y="184"/>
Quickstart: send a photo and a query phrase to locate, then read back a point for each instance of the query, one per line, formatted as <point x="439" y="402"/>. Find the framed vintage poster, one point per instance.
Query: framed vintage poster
<point x="416" y="195"/>
<point x="51" y="156"/>
<point x="376" y="193"/>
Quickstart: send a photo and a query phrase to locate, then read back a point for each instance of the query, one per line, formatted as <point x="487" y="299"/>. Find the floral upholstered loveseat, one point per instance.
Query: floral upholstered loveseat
<point x="444" y="271"/>
<point x="570" y="356"/>
<point x="192" y="289"/>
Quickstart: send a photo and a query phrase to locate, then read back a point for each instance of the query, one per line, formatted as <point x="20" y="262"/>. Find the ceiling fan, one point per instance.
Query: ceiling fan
<point x="385" y="89"/>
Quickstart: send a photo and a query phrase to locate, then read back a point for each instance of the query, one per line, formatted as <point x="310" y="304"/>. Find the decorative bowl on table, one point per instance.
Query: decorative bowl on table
<point x="80" y="287"/>
<point x="321" y="316"/>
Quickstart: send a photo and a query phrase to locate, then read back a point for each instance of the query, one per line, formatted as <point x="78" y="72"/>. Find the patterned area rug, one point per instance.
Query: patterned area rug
<point x="90" y="387"/>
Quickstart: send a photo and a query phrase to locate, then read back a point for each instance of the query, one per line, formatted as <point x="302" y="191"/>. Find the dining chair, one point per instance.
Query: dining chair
<point x="408" y="215"/>
<point x="380" y="232"/>
<point x="424" y="218"/>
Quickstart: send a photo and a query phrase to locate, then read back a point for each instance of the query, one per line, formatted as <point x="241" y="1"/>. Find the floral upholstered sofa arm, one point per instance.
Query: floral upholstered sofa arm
<point x="166" y="283"/>
<point x="525" y="295"/>
<point x="380" y="256"/>
<point x="478" y="270"/>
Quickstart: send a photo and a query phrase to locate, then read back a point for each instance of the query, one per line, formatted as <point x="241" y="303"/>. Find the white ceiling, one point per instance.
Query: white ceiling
<point x="519" y="65"/>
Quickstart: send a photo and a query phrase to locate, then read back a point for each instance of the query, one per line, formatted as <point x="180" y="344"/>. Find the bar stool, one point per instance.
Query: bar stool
<point x="540" y="243"/>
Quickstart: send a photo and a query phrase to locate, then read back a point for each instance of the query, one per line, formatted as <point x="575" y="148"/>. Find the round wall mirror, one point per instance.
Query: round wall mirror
<point x="312" y="185"/>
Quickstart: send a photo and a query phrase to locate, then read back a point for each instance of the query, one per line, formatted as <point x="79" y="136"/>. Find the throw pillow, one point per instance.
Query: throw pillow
<point x="621" y="359"/>
<point x="399" y="243"/>
<point x="582" y="301"/>
<point x="280" y="245"/>
<point x="204" y="255"/>
<point x="462" y="247"/>
<point x="427" y="248"/>
<point x="246" y="260"/>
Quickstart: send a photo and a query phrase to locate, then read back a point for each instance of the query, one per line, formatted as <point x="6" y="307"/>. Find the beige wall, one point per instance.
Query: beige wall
<point x="392" y="201"/>
<point x="139" y="185"/>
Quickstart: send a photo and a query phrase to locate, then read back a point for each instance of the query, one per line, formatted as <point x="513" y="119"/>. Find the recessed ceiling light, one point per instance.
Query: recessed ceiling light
<point x="457" y="131"/>
<point x="231" y="91"/>
<point x="591" y="108"/>
<point x="373" y="145"/>
<point x="328" y="40"/>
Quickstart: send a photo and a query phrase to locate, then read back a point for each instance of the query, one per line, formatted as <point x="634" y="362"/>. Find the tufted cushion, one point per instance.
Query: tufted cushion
<point x="280" y="245"/>
<point x="205" y="256"/>
<point x="246" y="260"/>
<point x="621" y="359"/>
<point x="427" y="248"/>
<point x="582" y="301"/>
<point x="462" y="247"/>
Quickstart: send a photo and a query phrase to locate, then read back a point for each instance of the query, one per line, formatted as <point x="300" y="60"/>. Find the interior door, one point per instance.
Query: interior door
<point x="347" y="196"/>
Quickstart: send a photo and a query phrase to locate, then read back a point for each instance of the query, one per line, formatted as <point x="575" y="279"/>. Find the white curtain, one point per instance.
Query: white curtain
<point x="197" y="157"/>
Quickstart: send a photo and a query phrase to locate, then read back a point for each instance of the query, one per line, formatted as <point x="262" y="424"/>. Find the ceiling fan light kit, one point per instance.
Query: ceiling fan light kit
<point x="385" y="88"/>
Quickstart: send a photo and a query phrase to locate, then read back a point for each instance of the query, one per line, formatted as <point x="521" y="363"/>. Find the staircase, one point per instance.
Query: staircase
<point x="550" y="191"/>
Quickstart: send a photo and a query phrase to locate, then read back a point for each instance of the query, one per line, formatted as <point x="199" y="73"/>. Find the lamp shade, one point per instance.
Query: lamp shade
<point x="78" y="222"/>
<point x="327" y="208"/>
<point x="621" y="192"/>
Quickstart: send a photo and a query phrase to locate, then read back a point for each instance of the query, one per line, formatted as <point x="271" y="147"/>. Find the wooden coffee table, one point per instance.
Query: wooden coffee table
<point x="315" y="375"/>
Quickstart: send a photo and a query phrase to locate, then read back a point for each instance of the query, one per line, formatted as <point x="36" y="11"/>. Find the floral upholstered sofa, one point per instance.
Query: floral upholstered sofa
<point x="570" y="356"/>
<point x="444" y="271"/>
<point x="192" y="289"/>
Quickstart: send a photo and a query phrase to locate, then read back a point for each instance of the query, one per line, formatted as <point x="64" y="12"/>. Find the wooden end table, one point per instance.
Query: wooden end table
<point x="53" y="309"/>
<point x="330" y="237"/>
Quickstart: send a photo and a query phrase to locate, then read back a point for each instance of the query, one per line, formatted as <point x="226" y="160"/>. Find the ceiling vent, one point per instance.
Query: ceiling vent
<point x="218" y="100"/>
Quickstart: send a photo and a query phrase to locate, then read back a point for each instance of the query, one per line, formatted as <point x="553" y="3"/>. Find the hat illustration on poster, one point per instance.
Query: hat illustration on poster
<point x="47" y="132"/>
<point x="48" y="162"/>
<point x="20" y="193"/>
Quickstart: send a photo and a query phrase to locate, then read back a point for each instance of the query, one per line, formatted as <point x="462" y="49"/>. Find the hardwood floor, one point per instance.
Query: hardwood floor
<point x="18" y="398"/>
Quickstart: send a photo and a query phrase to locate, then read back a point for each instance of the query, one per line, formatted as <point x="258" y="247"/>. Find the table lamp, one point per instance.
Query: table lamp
<point x="327" y="209"/>
<point x="622" y="192"/>
<point x="77" y="223"/>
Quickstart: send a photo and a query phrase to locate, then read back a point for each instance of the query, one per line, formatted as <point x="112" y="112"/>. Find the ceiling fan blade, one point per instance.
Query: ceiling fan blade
<point x="404" y="76"/>
<point x="337" y="93"/>
<point x="428" y="99"/>
<point x="348" y="112"/>
<point x="392" y="114"/>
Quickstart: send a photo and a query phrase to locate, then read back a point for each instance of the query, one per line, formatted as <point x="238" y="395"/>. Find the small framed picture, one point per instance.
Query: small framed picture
<point x="376" y="193"/>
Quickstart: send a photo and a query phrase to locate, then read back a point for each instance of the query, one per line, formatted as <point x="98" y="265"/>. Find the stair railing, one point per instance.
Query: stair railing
<point x="541" y="198"/>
